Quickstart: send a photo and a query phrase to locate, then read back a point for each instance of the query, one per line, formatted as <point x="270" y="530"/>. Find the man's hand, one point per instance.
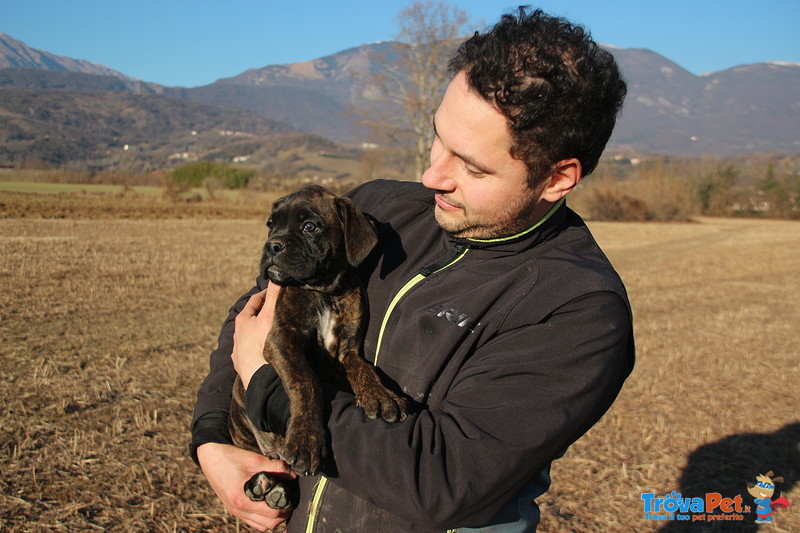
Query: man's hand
<point x="227" y="468"/>
<point x="252" y="326"/>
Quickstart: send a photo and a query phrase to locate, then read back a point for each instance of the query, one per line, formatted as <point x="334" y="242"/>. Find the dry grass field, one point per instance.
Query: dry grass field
<point x="107" y="316"/>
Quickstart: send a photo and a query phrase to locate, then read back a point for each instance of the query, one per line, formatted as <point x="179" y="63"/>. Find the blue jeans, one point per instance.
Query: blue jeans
<point x="520" y="515"/>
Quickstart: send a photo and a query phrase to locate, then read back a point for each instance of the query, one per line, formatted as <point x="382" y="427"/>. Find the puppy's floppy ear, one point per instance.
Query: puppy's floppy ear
<point x="359" y="233"/>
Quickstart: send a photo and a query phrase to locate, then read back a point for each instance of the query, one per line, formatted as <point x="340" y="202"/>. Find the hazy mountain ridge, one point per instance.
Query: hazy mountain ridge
<point x="16" y="54"/>
<point x="315" y="96"/>
<point x="670" y="110"/>
<point x="748" y="108"/>
<point x="68" y="80"/>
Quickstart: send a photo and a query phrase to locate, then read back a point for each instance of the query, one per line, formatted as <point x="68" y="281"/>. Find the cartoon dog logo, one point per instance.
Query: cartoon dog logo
<point x="762" y="492"/>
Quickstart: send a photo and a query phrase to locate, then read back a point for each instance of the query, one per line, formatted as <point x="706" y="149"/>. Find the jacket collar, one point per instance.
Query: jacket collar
<point x="549" y="225"/>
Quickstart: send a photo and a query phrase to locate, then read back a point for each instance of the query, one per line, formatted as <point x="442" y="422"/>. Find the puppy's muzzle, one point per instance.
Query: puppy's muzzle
<point x="274" y="251"/>
<point x="275" y="247"/>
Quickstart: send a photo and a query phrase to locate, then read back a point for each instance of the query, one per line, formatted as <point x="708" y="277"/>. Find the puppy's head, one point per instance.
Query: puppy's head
<point x="314" y="237"/>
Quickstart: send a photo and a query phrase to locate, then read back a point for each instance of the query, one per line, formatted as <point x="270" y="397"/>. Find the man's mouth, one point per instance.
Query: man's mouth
<point x="446" y="203"/>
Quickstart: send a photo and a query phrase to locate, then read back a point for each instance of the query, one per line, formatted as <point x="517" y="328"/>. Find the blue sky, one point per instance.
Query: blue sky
<point x="191" y="43"/>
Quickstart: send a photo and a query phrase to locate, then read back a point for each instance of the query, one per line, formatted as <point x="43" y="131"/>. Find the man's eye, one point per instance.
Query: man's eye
<point x="309" y="227"/>
<point x="473" y="172"/>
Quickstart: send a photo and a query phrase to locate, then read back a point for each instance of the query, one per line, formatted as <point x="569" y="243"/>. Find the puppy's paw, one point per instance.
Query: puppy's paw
<point x="304" y="448"/>
<point x="381" y="402"/>
<point x="276" y="493"/>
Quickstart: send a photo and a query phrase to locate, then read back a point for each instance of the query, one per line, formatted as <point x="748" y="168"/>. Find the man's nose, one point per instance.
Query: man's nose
<point x="439" y="173"/>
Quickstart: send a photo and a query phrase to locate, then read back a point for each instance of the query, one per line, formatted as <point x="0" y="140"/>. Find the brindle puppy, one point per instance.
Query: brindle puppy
<point x="316" y="240"/>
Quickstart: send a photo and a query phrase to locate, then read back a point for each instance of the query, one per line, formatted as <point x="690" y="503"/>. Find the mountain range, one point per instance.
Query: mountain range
<point x="745" y="109"/>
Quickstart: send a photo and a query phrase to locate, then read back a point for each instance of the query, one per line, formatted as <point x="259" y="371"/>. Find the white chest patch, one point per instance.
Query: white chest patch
<point x="327" y="323"/>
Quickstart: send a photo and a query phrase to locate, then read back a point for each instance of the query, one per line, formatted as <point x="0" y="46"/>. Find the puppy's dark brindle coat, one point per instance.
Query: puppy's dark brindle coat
<point x="316" y="240"/>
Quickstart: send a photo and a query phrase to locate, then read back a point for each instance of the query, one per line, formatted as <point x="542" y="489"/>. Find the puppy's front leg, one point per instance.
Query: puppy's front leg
<point x="304" y="445"/>
<point x="375" y="399"/>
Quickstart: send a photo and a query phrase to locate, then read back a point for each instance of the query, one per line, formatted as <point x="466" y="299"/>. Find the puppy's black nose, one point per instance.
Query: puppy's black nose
<point x="275" y="247"/>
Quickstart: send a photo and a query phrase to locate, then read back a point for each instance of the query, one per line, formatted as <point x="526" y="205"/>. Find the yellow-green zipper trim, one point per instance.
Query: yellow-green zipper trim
<point x="541" y="221"/>
<point x="323" y="481"/>
<point x="312" y="511"/>
<point x="419" y="277"/>
<point x="402" y="292"/>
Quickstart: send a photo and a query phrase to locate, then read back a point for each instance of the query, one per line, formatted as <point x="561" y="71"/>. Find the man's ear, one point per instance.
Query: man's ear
<point x="563" y="178"/>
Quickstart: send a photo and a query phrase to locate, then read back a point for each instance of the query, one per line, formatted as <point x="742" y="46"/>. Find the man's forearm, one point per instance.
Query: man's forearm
<point x="210" y="421"/>
<point x="211" y="427"/>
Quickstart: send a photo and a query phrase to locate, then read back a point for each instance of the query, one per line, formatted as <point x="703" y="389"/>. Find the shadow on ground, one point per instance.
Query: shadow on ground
<point x="726" y="466"/>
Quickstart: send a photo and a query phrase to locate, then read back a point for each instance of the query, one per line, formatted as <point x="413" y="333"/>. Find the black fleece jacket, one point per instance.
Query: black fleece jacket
<point x="509" y="350"/>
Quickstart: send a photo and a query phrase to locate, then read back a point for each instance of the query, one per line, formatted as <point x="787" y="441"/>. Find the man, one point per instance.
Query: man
<point x="491" y="307"/>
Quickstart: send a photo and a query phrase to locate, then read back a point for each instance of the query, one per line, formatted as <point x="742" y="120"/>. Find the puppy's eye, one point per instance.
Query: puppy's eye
<point x="309" y="227"/>
<point x="269" y="222"/>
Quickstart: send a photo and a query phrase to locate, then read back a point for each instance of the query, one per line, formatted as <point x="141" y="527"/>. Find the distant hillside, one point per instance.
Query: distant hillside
<point x="16" y="54"/>
<point x="315" y="96"/>
<point x="334" y="74"/>
<point x="306" y="109"/>
<point x="106" y="128"/>
<point x="751" y="108"/>
<point x="32" y="78"/>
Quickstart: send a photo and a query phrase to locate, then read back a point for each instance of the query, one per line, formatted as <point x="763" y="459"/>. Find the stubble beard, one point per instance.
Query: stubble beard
<point x="513" y="219"/>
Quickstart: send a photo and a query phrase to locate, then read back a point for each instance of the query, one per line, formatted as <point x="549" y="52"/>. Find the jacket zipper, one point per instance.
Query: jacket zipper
<point x="406" y="288"/>
<point x="323" y="481"/>
<point x="319" y="490"/>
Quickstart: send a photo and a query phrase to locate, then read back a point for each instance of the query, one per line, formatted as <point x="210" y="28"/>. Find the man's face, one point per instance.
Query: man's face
<point x="481" y="191"/>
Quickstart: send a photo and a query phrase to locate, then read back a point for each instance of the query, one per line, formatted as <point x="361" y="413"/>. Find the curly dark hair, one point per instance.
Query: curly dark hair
<point x="559" y="90"/>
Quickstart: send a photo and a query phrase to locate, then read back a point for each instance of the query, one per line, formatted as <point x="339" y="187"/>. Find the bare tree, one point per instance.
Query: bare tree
<point x="408" y="90"/>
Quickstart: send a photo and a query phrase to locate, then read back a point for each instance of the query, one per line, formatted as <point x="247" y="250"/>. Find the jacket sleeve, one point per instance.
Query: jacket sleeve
<point x="210" y="421"/>
<point x="516" y="404"/>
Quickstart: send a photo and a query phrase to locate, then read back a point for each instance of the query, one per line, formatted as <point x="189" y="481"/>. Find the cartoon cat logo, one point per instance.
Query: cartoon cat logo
<point x="762" y="492"/>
